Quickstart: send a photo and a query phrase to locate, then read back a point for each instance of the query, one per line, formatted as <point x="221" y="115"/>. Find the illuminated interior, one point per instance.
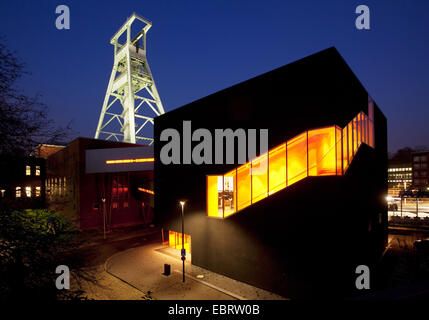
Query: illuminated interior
<point x="175" y="241"/>
<point x="324" y="151"/>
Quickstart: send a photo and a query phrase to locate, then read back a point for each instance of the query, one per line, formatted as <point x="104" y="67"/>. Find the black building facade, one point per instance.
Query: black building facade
<point x="305" y="233"/>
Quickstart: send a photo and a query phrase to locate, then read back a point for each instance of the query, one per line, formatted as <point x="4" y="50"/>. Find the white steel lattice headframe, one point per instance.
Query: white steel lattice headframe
<point x="131" y="100"/>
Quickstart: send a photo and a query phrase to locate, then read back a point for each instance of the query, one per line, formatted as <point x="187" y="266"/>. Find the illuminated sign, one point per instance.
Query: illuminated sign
<point x="130" y="161"/>
<point x="146" y="190"/>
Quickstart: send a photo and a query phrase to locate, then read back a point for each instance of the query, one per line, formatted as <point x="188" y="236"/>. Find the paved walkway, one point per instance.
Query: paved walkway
<point x="142" y="268"/>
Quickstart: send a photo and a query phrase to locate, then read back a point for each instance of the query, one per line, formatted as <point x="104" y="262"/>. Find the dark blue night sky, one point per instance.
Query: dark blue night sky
<point x="199" y="47"/>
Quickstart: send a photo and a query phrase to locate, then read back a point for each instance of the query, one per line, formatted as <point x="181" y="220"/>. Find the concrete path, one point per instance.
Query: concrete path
<point x="142" y="268"/>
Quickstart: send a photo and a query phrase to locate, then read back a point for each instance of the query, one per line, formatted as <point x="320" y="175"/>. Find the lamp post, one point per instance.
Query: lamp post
<point x="182" y="203"/>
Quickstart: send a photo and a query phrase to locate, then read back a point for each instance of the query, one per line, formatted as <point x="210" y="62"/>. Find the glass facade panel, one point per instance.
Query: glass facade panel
<point x="355" y="138"/>
<point x="229" y="193"/>
<point x="359" y="131"/>
<point x="350" y="140"/>
<point x="345" y="149"/>
<point x="214" y="202"/>
<point x="259" y="178"/>
<point x="277" y="169"/>
<point x="318" y="152"/>
<point x="321" y="152"/>
<point x="297" y="158"/>
<point x="175" y="241"/>
<point x="338" y="150"/>
<point x="244" y="186"/>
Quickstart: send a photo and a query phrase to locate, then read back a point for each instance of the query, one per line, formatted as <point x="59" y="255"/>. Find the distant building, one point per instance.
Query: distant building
<point x="91" y="180"/>
<point x="420" y="170"/>
<point x="399" y="178"/>
<point x="45" y="150"/>
<point x="22" y="182"/>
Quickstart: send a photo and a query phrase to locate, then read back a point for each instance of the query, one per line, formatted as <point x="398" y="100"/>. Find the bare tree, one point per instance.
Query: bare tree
<point x="24" y="121"/>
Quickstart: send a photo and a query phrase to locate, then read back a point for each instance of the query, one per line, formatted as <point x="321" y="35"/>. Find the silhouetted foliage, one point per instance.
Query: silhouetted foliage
<point x="24" y="121"/>
<point x="32" y="244"/>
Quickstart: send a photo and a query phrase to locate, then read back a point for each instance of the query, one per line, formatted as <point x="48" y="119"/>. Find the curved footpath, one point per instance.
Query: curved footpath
<point x="142" y="268"/>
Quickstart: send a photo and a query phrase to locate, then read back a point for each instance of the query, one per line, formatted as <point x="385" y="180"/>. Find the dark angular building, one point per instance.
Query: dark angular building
<point x="298" y="219"/>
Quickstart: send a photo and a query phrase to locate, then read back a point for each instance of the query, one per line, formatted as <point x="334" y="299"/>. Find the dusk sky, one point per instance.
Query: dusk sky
<point x="199" y="47"/>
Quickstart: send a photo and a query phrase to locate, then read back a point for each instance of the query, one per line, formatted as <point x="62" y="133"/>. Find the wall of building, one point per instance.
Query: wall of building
<point x="80" y="197"/>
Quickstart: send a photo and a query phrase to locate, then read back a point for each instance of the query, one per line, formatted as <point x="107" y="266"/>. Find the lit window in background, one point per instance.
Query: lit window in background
<point x="28" y="192"/>
<point x="27" y="170"/>
<point x="37" y="193"/>
<point x="37" y="170"/>
<point x="18" y="192"/>
<point x="120" y="161"/>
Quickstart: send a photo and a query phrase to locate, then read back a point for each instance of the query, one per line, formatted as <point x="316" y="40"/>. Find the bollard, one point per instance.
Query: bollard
<point x="167" y="269"/>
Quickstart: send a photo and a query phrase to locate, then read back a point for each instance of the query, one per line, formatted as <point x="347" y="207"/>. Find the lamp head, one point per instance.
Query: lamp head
<point x="182" y="203"/>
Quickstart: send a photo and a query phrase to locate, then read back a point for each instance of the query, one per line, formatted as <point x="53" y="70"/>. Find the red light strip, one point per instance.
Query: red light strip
<point x="146" y="190"/>
<point x="130" y="161"/>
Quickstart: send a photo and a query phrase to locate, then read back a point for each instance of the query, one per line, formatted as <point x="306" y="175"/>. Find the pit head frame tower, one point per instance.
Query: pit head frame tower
<point x="131" y="86"/>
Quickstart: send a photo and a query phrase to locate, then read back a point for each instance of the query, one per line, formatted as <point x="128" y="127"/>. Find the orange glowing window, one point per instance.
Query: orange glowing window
<point x="214" y="204"/>
<point x="260" y="178"/>
<point x="119" y="161"/>
<point x="339" y="148"/>
<point x="355" y="136"/>
<point x="277" y="169"/>
<point x="359" y="130"/>
<point x="175" y="241"/>
<point x="297" y="158"/>
<point x="350" y="140"/>
<point x="244" y="186"/>
<point x="229" y="193"/>
<point x="345" y="149"/>
<point x="365" y="128"/>
<point x="321" y="152"/>
<point x="318" y="152"/>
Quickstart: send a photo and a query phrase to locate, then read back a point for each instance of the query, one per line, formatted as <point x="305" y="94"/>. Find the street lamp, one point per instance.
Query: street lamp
<point x="183" y="253"/>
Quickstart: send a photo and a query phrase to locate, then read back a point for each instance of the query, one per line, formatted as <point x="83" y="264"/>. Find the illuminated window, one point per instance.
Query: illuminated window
<point x="355" y="136"/>
<point x="125" y="204"/>
<point x="244" y="186"/>
<point x="297" y="158"/>
<point x="277" y="169"/>
<point x="27" y="170"/>
<point x="37" y="193"/>
<point x="229" y="193"/>
<point x="214" y="200"/>
<point x="28" y="192"/>
<point x="371" y="122"/>
<point x="259" y="178"/>
<point x="345" y="149"/>
<point x="350" y="140"/>
<point x="175" y="241"/>
<point x="114" y="205"/>
<point x="338" y="146"/>
<point x="321" y="152"/>
<point x="120" y="187"/>
<point x="37" y="170"/>
<point x="18" y="192"/>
